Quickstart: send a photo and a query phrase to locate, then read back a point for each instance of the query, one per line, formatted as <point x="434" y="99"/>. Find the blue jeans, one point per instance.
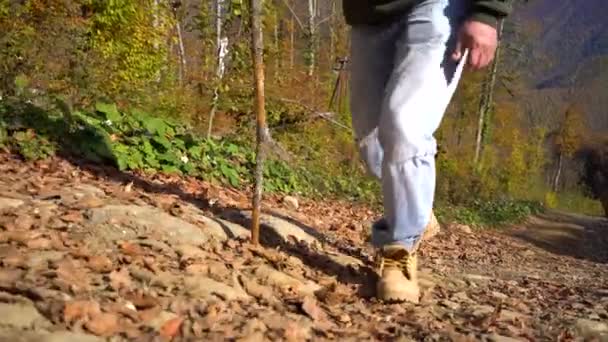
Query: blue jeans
<point x="402" y="80"/>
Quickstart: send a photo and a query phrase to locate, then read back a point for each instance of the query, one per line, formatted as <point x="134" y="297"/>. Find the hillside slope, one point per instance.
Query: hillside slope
<point x="569" y="55"/>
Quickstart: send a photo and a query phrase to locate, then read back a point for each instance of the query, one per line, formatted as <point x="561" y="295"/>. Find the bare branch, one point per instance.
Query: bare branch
<point x="293" y="13"/>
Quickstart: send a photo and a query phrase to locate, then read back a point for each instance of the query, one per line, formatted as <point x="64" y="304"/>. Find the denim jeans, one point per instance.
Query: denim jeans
<point x="402" y="80"/>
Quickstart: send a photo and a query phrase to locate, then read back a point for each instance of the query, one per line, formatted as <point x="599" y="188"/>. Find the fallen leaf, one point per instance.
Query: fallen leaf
<point x="311" y="307"/>
<point x="72" y="216"/>
<point x="69" y="275"/>
<point x="147" y="315"/>
<point x="100" y="263"/>
<point x="142" y="301"/>
<point x="171" y="328"/>
<point x="120" y="279"/>
<point x="24" y="222"/>
<point x="39" y="243"/>
<point x="80" y="309"/>
<point x="131" y="249"/>
<point x="103" y="324"/>
<point x="9" y="277"/>
<point x="90" y="202"/>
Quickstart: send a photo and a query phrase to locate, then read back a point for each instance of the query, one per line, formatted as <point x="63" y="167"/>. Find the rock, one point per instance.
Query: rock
<point x="432" y="229"/>
<point x="57" y="336"/>
<point x="124" y="222"/>
<point x="477" y="277"/>
<point x="279" y="279"/>
<point x="291" y="202"/>
<point x="41" y="259"/>
<point x="499" y="295"/>
<point x="234" y="230"/>
<point x="163" y="317"/>
<point x="9" y="203"/>
<point x="200" y="286"/>
<point x="220" y="230"/>
<point x="344" y="260"/>
<point x="482" y="310"/>
<point x="463" y="228"/>
<point x="500" y="338"/>
<point x="22" y="315"/>
<point x="449" y="304"/>
<point x="274" y="229"/>
<point x="592" y="330"/>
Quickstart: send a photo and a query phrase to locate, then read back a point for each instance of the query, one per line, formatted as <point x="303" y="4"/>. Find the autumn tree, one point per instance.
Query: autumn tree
<point x="568" y="140"/>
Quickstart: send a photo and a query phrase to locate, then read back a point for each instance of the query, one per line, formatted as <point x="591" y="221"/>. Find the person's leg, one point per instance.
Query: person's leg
<point x="419" y="90"/>
<point x="371" y="65"/>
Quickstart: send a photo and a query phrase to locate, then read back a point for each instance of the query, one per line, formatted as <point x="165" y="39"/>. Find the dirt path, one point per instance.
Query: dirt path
<point x="90" y="254"/>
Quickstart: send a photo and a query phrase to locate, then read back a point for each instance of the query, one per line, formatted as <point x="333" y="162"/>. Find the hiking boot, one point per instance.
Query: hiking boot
<point x="398" y="275"/>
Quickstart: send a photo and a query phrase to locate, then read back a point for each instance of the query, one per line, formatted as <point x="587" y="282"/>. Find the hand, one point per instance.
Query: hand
<point x="480" y="39"/>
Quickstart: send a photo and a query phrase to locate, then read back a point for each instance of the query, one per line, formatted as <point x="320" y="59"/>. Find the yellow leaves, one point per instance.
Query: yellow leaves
<point x="570" y="135"/>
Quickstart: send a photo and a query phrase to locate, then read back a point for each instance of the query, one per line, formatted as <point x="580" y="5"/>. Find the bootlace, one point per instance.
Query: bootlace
<point x="401" y="260"/>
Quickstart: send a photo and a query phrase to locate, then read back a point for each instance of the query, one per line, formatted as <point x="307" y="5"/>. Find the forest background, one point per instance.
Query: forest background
<point x="166" y="86"/>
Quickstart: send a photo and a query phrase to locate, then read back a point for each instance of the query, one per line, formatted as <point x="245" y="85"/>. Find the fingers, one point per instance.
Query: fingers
<point x="480" y="57"/>
<point x="457" y="54"/>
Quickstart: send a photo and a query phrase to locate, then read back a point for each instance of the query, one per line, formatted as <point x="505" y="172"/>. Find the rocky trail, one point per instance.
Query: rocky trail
<point x="92" y="254"/>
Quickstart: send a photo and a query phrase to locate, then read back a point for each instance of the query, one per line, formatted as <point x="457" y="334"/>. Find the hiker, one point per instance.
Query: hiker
<point x="407" y="57"/>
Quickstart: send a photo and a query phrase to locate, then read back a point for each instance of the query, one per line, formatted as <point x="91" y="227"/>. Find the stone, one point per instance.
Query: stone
<point x="291" y="202"/>
<point x="463" y="228"/>
<point x="125" y="222"/>
<point x="163" y="317"/>
<point x="482" y="310"/>
<point x="477" y="277"/>
<point x="275" y="228"/>
<point x="235" y="231"/>
<point x="9" y="203"/>
<point x="22" y="315"/>
<point x="500" y="338"/>
<point x="41" y="259"/>
<point x="344" y="260"/>
<point x="592" y="330"/>
<point x="44" y="336"/>
<point x="200" y="286"/>
<point x="213" y="226"/>
<point x="449" y="304"/>
<point x="279" y="279"/>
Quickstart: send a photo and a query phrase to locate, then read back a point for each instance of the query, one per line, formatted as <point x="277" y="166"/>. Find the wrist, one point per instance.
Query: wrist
<point x="484" y="17"/>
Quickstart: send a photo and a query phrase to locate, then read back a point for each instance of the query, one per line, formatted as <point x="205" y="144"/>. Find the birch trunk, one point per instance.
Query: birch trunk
<point x="558" y="172"/>
<point x="257" y="52"/>
<point x="312" y="13"/>
<point x="221" y="44"/>
<point x="181" y="50"/>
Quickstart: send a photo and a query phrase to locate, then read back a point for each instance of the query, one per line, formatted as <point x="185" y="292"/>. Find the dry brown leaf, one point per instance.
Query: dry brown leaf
<point x="24" y="222"/>
<point x="70" y="275"/>
<point x="131" y="249"/>
<point x="39" y="243"/>
<point x="90" y="202"/>
<point x="142" y="301"/>
<point x="171" y="328"/>
<point x="80" y="309"/>
<point x="147" y="315"/>
<point x="120" y="279"/>
<point x="100" y="263"/>
<point x="8" y="277"/>
<point x="103" y="324"/>
<point x="72" y="216"/>
<point x="311" y="307"/>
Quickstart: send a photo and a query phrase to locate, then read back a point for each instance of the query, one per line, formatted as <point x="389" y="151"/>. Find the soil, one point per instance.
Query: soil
<point x="92" y="254"/>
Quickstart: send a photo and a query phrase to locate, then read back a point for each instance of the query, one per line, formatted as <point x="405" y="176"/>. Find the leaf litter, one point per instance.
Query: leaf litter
<point x="134" y="289"/>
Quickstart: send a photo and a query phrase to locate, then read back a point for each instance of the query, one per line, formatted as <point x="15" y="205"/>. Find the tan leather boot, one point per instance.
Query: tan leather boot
<point x="398" y="275"/>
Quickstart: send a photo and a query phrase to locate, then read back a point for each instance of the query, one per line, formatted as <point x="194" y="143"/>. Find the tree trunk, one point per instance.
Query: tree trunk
<point x="181" y="50"/>
<point x="221" y="44"/>
<point x="487" y="99"/>
<point x="558" y="172"/>
<point x="257" y="52"/>
<point x="292" y="39"/>
<point x="312" y="13"/>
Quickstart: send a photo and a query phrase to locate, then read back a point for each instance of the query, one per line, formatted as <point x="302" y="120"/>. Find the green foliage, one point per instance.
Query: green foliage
<point x="490" y="213"/>
<point x="135" y="140"/>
